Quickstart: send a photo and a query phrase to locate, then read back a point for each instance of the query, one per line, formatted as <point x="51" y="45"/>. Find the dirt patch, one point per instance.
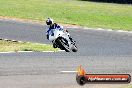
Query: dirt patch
<point x="36" y="21"/>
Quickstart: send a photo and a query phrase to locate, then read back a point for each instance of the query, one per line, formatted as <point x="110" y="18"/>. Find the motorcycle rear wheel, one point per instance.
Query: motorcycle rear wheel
<point x="74" y="49"/>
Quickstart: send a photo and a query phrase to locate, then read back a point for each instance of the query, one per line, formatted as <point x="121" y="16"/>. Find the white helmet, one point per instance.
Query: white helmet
<point x="49" y="21"/>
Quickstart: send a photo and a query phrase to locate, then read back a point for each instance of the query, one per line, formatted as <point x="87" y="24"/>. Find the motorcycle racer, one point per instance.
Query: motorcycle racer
<point x="51" y="26"/>
<point x="54" y="26"/>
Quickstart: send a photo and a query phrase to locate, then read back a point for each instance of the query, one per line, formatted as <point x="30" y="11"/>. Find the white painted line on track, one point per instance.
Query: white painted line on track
<point x="17" y="52"/>
<point x="109" y="30"/>
<point x="68" y="71"/>
<point x="25" y="51"/>
<point x="47" y="51"/>
<point x="61" y="50"/>
<point x="55" y="51"/>
<point x="31" y="51"/>
<point x="8" y="52"/>
<point x="100" y="29"/>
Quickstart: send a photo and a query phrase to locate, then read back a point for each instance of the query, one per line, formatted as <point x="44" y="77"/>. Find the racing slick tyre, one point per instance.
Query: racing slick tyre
<point x="63" y="44"/>
<point x="74" y="49"/>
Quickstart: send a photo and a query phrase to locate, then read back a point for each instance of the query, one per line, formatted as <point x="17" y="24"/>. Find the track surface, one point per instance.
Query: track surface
<point x="99" y="52"/>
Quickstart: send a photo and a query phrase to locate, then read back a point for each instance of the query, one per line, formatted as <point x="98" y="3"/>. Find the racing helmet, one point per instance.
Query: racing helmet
<point x="49" y="21"/>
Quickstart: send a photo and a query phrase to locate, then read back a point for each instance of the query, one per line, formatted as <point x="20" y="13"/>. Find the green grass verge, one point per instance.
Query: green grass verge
<point x="6" y="46"/>
<point x="128" y="86"/>
<point x="84" y="13"/>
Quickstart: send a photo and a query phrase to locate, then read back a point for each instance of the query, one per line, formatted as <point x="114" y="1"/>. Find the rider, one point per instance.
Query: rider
<point x="51" y="26"/>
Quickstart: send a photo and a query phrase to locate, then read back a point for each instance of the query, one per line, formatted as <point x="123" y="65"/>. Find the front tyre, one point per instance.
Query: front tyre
<point x="63" y="43"/>
<point x="54" y="45"/>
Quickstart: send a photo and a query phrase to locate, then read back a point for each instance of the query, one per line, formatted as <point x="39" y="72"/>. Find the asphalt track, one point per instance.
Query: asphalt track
<point x="99" y="52"/>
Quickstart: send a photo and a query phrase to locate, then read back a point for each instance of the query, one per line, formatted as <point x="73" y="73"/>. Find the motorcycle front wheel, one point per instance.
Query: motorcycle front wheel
<point x="63" y="43"/>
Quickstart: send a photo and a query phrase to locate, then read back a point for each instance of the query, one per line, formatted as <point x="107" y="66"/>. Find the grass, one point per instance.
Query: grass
<point x="84" y="13"/>
<point x="127" y="86"/>
<point x="6" y="46"/>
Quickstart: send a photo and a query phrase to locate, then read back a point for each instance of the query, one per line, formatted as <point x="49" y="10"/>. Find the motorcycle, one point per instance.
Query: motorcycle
<point x="61" y="39"/>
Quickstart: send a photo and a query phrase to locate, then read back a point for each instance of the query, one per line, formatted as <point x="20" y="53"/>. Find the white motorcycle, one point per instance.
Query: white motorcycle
<point x="61" y="39"/>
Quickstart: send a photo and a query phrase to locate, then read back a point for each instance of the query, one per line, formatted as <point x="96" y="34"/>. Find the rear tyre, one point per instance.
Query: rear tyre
<point x="74" y="49"/>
